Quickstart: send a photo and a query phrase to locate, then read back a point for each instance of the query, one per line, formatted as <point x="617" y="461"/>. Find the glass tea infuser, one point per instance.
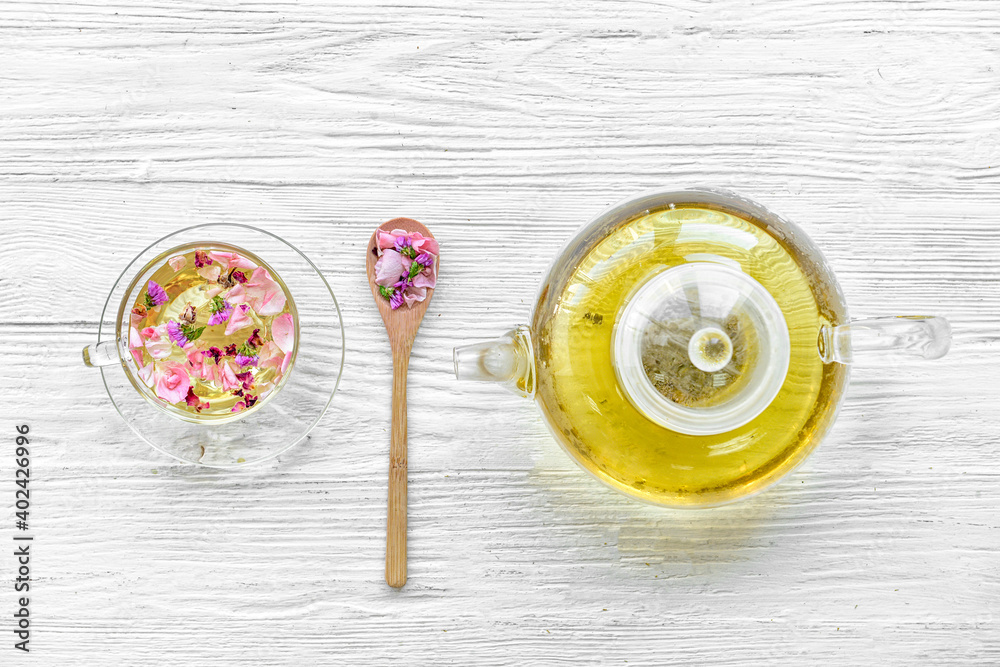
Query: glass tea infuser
<point x="220" y="345"/>
<point x="690" y="347"/>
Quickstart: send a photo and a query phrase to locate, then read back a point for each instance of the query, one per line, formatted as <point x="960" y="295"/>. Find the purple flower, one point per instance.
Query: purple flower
<point x="221" y="310"/>
<point x="426" y="259"/>
<point x="182" y="334"/>
<point x="403" y="242"/>
<point x="201" y="258"/>
<point x="220" y="316"/>
<point x="247" y="355"/>
<point x="155" y="295"/>
<point x="176" y="334"/>
<point x="396" y="300"/>
<point x="244" y="360"/>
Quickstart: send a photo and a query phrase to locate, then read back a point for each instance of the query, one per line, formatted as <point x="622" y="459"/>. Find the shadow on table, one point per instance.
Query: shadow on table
<point x="735" y="533"/>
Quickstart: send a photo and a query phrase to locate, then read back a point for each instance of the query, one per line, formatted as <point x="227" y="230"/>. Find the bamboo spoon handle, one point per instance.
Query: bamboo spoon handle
<point x="395" y="546"/>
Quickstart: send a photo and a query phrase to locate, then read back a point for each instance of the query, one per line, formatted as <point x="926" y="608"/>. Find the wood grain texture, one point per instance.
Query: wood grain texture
<point x="395" y="527"/>
<point x="503" y="126"/>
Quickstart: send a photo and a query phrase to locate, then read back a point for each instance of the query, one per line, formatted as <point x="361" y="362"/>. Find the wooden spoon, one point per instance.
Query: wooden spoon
<point x="401" y="325"/>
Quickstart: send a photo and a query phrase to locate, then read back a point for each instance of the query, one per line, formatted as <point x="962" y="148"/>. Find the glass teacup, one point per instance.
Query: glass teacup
<point x="220" y="354"/>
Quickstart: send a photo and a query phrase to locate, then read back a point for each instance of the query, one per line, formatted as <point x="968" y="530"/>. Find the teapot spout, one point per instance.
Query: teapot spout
<point x="509" y="360"/>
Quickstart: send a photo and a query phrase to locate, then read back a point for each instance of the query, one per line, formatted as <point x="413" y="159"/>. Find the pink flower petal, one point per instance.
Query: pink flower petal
<point x="423" y="280"/>
<point x="210" y="373"/>
<point x="385" y="240"/>
<point x="171" y="381"/>
<point x="227" y="376"/>
<point x="177" y="262"/>
<point x="388" y="268"/>
<point x="210" y="273"/>
<point x="158" y="342"/>
<point x="427" y="277"/>
<point x="270" y="355"/>
<point x="421" y="244"/>
<point x="146" y="374"/>
<point x="231" y="260"/>
<point x="283" y="332"/>
<point x="238" y="320"/>
<point x="196" y="364"/>
<point x="134" y="339"/>
<point x="238" y="294"/>
<point x="285" y="362"/>
<point x="264" y="295"/>
<point x="414" y="295"/>
<point x="240" y="262"/>
<point x="219" y="256"/>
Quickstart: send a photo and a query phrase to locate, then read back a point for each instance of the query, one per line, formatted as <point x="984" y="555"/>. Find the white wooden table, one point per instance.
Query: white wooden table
<point x="503" y="126"/>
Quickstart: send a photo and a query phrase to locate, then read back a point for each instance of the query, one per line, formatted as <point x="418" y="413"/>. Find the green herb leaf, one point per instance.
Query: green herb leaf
<point x="149" y="301"/>
<point x="217" y="304"/>
<point x="415" y="268"/>
<point x="191" y="333"/>
<point x="409" y="251"/>
<point x="386" y="292"/>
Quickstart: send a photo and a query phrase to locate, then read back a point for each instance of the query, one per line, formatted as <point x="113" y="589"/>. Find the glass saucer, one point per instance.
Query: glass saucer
<point x="290" y="413"/>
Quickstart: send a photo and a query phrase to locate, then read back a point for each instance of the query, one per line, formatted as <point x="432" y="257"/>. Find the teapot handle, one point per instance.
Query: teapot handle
<point x="101" y="354"/>
<point x="914" y="336"/>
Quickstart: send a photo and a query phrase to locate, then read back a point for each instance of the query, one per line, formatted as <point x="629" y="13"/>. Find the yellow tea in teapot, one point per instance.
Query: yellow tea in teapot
<point x="212" y="332"/>
<point x="591" y="399"/>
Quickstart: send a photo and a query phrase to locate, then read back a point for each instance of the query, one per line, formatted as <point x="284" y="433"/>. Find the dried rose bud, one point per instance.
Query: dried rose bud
<point x="192" y="400"/>
<point x="189" y="315"/>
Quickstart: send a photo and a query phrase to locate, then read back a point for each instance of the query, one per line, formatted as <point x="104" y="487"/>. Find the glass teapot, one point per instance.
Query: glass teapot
<point x="689" y="348"/>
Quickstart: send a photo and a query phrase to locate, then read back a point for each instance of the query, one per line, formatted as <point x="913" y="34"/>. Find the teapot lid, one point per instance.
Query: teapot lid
<point x="701" y="348"/>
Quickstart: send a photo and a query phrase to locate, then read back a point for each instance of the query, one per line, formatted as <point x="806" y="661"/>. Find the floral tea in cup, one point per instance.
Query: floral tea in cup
<point x="212" y="333"/>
